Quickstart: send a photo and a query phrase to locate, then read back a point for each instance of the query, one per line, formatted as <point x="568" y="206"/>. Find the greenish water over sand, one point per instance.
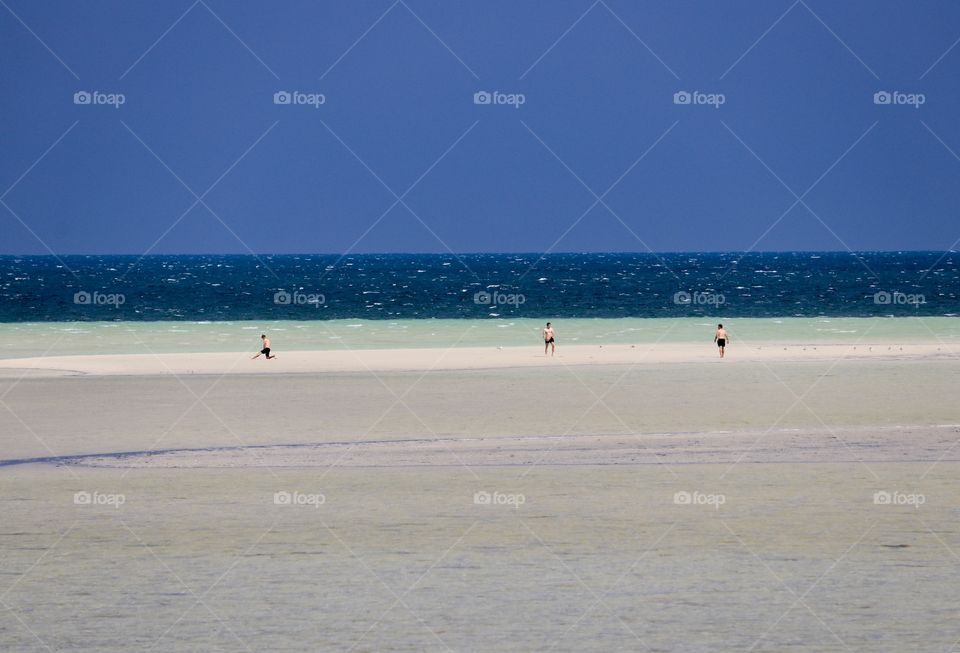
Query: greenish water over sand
<point x="68" y="338"/>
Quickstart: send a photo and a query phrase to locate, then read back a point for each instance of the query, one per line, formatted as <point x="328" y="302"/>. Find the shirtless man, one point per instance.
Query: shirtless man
<point x="721" y="338"/>
<point x="266" y="348"/>
<point x="548" y="342"/>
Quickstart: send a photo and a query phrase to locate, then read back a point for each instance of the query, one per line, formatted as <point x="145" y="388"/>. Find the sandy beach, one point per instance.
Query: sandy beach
<point x="644" y="497"/>
<point x="464" y="358"/>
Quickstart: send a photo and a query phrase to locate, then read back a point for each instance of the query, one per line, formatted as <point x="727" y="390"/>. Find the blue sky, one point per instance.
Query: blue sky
<point x="399" y="157"/>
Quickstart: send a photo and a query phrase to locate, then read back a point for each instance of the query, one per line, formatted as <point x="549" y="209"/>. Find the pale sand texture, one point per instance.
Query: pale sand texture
<point x="798" y="558"/>
<point x="398" y="557"/>
<point x="83" y="414"/>
<point x="464" y="358"/>
<point x="866" y="446"/>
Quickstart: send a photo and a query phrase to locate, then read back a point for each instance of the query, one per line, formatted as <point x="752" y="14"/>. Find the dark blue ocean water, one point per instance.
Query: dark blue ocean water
<point x="407" y="286"/>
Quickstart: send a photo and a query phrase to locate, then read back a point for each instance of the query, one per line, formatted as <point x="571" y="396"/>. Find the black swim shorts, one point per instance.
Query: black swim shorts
<point x="265" y="350"/>
<point x="721" y="342"/>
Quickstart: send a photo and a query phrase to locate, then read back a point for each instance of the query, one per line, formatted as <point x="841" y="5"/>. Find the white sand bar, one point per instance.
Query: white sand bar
<point x="464" y="358"/>
<point x="792" y="497"/>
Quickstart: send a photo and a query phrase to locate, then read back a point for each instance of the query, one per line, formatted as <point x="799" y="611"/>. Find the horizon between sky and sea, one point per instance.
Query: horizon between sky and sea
<point x="116" y="304"/>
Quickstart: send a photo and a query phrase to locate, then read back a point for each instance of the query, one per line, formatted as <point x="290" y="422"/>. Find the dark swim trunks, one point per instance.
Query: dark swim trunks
<point x="265" y="350"/>
<point x="721" y="342"/>
<point x="548" y="342"/>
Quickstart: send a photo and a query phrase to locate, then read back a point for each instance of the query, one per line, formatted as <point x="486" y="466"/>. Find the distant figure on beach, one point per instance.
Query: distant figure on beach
<point x="548" y="341"/>
<point x="721" y="338"/>
<point x="266" y="348"/>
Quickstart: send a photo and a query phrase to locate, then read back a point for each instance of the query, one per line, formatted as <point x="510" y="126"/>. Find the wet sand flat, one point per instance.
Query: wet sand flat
<point x="794" y="505"/>
<point x="796" y="558"/>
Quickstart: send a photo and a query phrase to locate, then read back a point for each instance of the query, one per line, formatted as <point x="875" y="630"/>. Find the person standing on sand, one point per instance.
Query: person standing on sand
<point x="721" y="338"/>
<point x="548" y="341"/>
<point x="266" y="348"/>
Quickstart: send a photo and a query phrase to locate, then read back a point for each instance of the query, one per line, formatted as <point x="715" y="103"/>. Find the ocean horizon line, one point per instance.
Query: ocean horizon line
<point x="494" y="253"/>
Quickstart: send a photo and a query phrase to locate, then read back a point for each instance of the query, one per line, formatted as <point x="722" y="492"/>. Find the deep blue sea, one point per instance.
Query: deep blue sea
<point x="474" y="286"/>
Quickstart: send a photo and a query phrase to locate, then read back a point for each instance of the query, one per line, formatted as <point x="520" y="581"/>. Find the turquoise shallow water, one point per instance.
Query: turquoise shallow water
<point x="72" y="338"/>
